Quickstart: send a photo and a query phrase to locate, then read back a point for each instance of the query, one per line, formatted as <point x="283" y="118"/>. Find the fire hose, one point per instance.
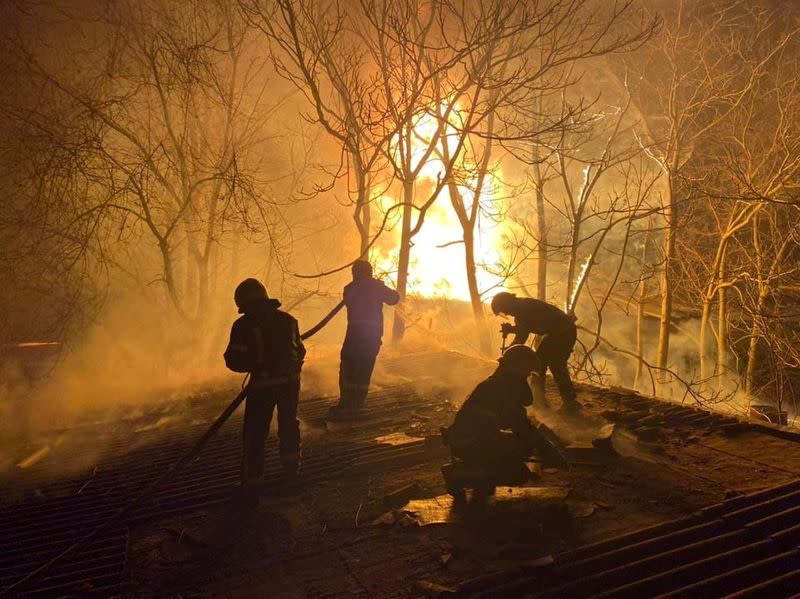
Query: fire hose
<point x="316" y="328"/>
<point x="154" y="484"/>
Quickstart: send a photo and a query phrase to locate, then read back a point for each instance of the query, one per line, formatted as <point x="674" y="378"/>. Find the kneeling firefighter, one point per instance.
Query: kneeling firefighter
<point x="478" y="435"/>
<point x="265" y="342"/>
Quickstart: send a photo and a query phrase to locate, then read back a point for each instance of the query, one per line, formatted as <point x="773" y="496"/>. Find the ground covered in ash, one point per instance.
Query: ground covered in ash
<point x="369" y="515"/>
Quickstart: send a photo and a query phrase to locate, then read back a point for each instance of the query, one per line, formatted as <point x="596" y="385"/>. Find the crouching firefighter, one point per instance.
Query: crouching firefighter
<point x="491" y="430"/>
<point x="364" y="298"/>
<point x="557" y="332"/>
<point x="265" y="342"/>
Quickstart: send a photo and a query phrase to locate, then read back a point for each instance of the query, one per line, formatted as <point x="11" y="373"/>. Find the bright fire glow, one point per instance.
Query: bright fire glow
<point x="437" y="264"/>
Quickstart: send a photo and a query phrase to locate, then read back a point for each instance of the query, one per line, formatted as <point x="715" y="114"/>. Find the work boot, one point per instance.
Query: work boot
<point x="342" y="412"/>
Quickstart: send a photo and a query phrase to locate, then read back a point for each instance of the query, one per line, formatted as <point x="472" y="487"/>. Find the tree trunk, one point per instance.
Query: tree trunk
<point x="637" y="377"/>
<point x="716" y="287"/>
<point x="366" y="221"/>
<point x="362" y="211"/>
<point x="474" y="294"/>
<point x="755" y="325"/>
<point x="705" y="320"/>
<point x="670" y="234"/>
<point x="752" y="358"/>
<point x="572" y="264"/>
<point x="399" y="325"/>
<point x="169" y="278"/>
<point x="722" y="321"/>
<point x="541" y="231"/>
<point x="708" y="300"/>
<point x="755" y="337"/>
<point x="202" y="285"/>
<point x="184" y="265"/>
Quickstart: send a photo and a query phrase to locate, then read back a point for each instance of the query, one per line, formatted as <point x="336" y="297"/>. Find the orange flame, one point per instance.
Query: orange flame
<point x="437" y="265"/>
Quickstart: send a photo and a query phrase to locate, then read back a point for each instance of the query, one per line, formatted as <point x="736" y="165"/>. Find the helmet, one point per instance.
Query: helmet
<point x="362" y="269"/>
<point x="520" y="356"/>
<point x="502" y="302"/>
<point x="247" y="292"/>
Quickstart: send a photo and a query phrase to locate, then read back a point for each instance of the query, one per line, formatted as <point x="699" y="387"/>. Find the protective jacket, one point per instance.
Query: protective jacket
<point x="558" y="336"/>
<point x="364" y="299"/>
<point x="538" y="317"/>
<point x="496" y="403"/>
<point x="265" y="342"/>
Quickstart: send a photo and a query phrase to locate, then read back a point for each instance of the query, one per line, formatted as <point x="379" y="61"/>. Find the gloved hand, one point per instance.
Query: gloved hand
<point x="507" y="328"/>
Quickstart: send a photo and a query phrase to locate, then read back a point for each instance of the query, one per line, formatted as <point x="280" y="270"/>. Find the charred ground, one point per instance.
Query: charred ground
<point x="344" y="527"/>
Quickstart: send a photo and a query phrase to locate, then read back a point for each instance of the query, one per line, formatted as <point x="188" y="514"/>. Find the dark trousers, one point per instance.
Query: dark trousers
<point x="355" y="372"/>
<point x="494" y="451"/>
<point x="259" y="407"/>
<point x="554" y="352"/>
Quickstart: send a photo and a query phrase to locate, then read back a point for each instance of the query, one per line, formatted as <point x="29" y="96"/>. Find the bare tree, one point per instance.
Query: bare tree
<point x="317" y="48"/>
<point x="771" y="321"/>
<point x="467" y="185"/>
<point x="374" y="71"/>
<point x="513" y="52"/>
<point x="599" y="188"/>
<point x="705" y="62"/>
<point x="173" y="104"/>
<point x="52" y="257"/>
<point x="759" y="170"/>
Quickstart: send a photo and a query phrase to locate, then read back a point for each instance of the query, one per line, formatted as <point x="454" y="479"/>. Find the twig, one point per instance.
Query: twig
<point x="358" y="511"/>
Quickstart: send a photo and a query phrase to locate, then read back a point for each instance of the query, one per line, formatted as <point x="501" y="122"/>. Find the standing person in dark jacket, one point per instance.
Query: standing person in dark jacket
<point x="364" y="298"/>
<point x="558" y="335"/>
<point x="498" y="403"/>
<point x="266" y="343"/>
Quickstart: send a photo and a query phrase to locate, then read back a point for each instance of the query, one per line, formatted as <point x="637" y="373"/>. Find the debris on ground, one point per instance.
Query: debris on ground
<point x="436" y="510"/>
<point x="586" y="454"/>
<point x="647" y="433"/>
<point x="581" y="509"/>
<point x="398" y="439"/>
<point x="604" y="440"/>
<point x="434" y="590"/>
<point x="381" y="475"/>
<point x="399" y="497"/>
<point x="443" y="509"/>
<point x="386" y="519"/>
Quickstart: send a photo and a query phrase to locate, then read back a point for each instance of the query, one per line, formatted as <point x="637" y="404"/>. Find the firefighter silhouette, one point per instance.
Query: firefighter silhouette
<point x="265" y="342"/>
<point x="364" y="298"/>
<point x="558" y="334"/>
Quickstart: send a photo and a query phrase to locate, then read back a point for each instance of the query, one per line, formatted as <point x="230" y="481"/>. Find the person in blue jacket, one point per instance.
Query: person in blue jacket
<point x="364" y="298"/>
